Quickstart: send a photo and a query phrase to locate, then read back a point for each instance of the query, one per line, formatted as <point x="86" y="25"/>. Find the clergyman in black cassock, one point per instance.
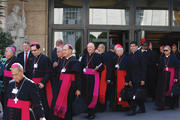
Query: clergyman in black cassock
<point x="151" y="73"/>
<point x="120" y="66"/>
<point x="168" y="74"/>
<point x="91" y="64"/>
<point x="22" y="94"/>
<point x="106" y="91"/>
<point x="176" y="53"/>
<point x="11" y="58"/>
<point x="68" y="85"/>
<point x="41" y="70"/>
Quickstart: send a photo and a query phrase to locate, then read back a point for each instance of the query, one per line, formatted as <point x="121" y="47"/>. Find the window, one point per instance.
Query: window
<point x="152" y="12"/>
<point x="109" y="12"/>
<point x="67" y="12"/>
<point x="176" y="13"/>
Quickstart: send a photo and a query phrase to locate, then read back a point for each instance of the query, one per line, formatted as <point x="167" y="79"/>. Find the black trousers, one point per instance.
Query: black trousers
<point x="136" y="103"/>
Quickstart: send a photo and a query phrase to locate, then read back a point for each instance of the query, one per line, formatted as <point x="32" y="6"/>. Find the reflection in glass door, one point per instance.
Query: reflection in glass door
<point x="99" y="38"/>
<point x="70" y="37"/>
<point x="109" y="38"/>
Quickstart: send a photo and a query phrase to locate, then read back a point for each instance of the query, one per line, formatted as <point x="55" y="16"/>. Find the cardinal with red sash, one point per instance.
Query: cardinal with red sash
<point x="91" y="63"/>
<point x="22" y="94"/>
<point x="68" y="84"/>
<point x="120" y="65"/>
<point x="41" y="69"/>
<point x="168" y="75"/>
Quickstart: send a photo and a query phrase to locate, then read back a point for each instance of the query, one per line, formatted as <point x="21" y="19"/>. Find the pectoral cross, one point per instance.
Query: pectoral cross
<point x="15" y="100"/>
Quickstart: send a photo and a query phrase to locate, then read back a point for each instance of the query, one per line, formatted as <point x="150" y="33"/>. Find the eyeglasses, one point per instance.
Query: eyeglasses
<point x="166" y="50"/>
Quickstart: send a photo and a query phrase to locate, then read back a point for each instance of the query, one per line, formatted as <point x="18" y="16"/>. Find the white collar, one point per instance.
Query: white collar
<point x="69" y="57"/>
<point x="27" y="52"/>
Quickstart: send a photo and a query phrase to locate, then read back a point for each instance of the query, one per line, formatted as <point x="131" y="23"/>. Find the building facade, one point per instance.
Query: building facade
<point x="101" y="21"/>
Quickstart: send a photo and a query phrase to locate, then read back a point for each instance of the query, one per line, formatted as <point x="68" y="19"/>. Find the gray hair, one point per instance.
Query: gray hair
<point x="168" y="47"/>
<point x="59" y="42"/>
<point x="26" y="42"/>
<point x="17" y="65"/>
<point x="102" y="46"/>
<point x="10" y="50"/>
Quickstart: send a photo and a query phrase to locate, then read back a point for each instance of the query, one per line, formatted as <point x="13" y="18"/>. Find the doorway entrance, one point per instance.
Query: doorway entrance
<point x="158" y="38"/>
<point x="109" y="38"/>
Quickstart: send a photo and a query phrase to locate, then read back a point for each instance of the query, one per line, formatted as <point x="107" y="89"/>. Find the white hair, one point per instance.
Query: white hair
<point x="168" y="47"/>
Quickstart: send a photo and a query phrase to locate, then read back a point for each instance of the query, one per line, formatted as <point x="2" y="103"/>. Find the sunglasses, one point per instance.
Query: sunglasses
<point x="166" y="50"/>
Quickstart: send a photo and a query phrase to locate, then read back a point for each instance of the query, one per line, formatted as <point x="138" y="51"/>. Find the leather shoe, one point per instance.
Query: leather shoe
<point x="131" y="113"/>
<point x="141" y="111"/>
<point x="160" y="108"/>
<point x="91" y="117"/>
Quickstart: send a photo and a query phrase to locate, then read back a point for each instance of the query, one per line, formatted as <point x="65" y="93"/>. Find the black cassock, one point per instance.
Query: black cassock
<point x="151" y="59"/>
<point x="107" y="90"/>
<point x="7" y="75"/>
<point x="66" y="67"/>
<point x="120" y="65"/>
<point x="88" y="81"/>
<point x="27" y="95"/>
<point x="41" y="69"/>
<point x="7" y="72"/>
<point x="54" y="57"/>
<point x="177" y="54"/>
<point x="168" y="71"/>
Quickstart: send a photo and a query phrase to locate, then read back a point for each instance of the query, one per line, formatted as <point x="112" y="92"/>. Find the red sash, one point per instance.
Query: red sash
<point x="7" y="73"/>
<point x="23" y="105"/>
<point x="103" y="86"/>
<point x="61" y="102"/>
<point x="90" y="71"/>
<point x="171" y="82"/>
<point x="48" y="89"/>
<point x="121" y="74"/>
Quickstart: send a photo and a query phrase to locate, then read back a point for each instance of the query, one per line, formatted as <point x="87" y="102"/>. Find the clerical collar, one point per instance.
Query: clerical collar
<point x="134" y="52"/>
<point x="68" y="57"/>
<point x="91" y="54"/>
<point x="18" y="83"/>
<point x="38" y="56"/>
<point x="167" y="56"/>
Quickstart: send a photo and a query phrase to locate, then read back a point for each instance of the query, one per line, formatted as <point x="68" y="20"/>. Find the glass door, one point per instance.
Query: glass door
<point x="99" y="37"/>
<point x="70" y="37"/>
<point x="109" y="38"/>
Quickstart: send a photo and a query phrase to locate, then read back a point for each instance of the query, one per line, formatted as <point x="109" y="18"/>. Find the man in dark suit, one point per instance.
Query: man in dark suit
<point x="54" y="57"/>
<point x="136" y="69"/>
<point x="25" y="58"/>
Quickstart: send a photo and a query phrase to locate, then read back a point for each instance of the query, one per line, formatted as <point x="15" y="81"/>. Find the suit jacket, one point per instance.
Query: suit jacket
<point x="20" y="59"/>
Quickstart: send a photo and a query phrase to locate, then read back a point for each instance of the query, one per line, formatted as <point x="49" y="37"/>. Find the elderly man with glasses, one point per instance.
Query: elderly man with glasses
<point x="168" y="75"/>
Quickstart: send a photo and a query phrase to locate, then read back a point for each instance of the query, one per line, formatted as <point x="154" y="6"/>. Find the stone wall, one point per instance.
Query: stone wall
<point x="36" y="19"/>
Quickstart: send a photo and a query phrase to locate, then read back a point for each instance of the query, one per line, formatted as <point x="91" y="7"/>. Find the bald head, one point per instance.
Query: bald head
<point x="90" y="48"/>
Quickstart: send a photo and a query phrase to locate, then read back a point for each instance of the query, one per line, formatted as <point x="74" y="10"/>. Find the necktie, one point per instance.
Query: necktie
<point x="26" y="61"/>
